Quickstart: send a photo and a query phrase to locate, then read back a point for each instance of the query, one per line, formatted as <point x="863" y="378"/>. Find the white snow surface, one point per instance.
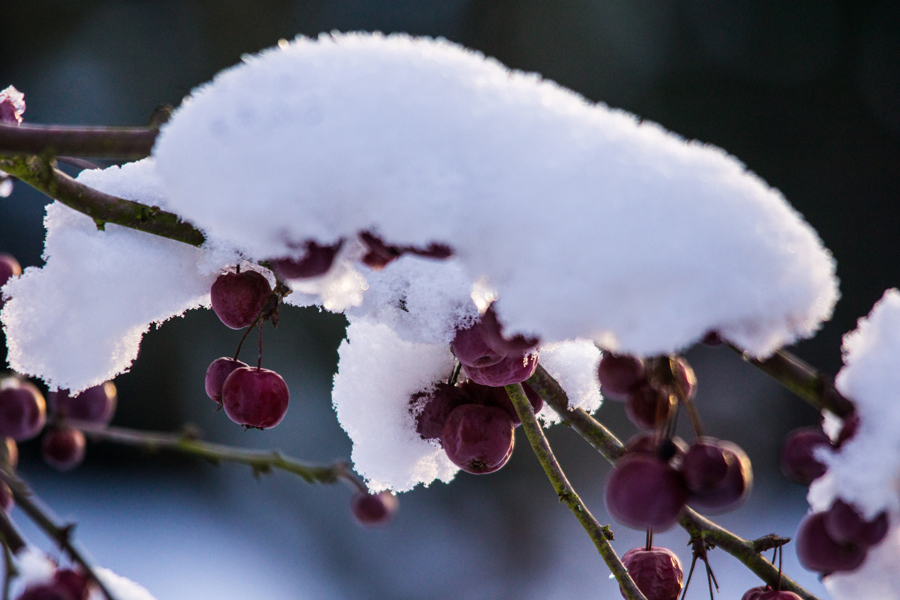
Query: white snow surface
<point x="866" y="470"/>
<point x="120" y="587"/>
<point x="78" y="320"/>
<point x="574" y="365"/>
<point x="377" y="374"/>
<point x="587" y="222"/>
<point x="34" y="568"/>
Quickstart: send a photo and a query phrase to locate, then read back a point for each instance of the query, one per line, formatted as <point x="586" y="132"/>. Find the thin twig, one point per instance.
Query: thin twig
<point x="262" y="461"/>
<point x="9" y="570"/>
<point x="599" y="534"/>
<point x="125" y="143"/>
<point x="699" y="527"/>
<point x="802" y="379"/>
<point x="12" y="539"/>
<point x="102" y="208"/>
<point x="62" y="535"/>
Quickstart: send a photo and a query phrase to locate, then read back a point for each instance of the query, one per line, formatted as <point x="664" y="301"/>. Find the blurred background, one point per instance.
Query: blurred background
<point x="806" y="93"/>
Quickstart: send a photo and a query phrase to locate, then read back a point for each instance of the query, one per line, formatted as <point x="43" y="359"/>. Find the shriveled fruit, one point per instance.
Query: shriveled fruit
<point x="845" y="525"/>
<point x="23" y="410"/>
<point x="316" y="261"/>
<point x="478" y="439"/>
<point x="95" y="405"/>
<point x="216" y="374"/>
<point x="470" y="348"/>
<point x="798" y="455"/>
<point x="644" y="491"/>
<point x="512" y="369"/>
<point x="765" y="592"/>
<point x="619" y="374"/>
<point x="373" y="509"/>
<point x="238" y="298"/>
<point x="734" y="487"/>
<point x="656" y="572"/>
<point x="255" y="397"/>
<point x="430" y="409"/>
<point x="63" y="448"/>
<point x="818" y="552"/>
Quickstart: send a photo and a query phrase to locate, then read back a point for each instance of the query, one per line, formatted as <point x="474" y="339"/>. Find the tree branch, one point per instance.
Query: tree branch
<point x="62" y="535"/>
<point x="600" y="535"/>
<point x="802" y="379"/>
<point x="262" y="461"/>
<point x="125" y="143"/>
<point x="103" y="208"/>
<point x="699" y="527"/>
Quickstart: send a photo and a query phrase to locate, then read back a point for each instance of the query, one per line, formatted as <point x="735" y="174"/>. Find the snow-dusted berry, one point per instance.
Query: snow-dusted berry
<point x="470" y="348"/>
<point x="478" y="439"/>
<point x="430" y="409"/>
<point x="255" y="397"/>
<point x="374" y="509"/>
<point x="494" y="337"/>
<point x="845" y="525"/>
<point x="238" y="298"/>
<point x="656" y="572"/>
<point x="23" y="410"/>
<point x="9" y="268"/>
<point x="95" y="405"/>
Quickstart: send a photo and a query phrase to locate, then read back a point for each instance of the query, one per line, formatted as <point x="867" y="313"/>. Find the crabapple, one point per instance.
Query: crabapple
<point x="648" y="406"/>
<point x="493" y="336"/>
<point x="216" y="374"/>
<point x="619" y="374"/>
<point x="94" y="405"/>
<point x="478" y="439"/>
<point x="656" y="572"/>
<point x="63" y="448"/>
<point x="644" y="491"/>
<point x="237" y="298"/>
<point x="512" y="369"/>
<point x="732" y="489"/>
<point x="373" y="509"/>
<point x="817" y="551"/>
<point x="23" y="410"/>
<point x="435" y="406"/>
<point x="798" y="457"/>
<point x="845" y="525"/>
<point x="255" y="397"/>
<point x="470" y="348"/>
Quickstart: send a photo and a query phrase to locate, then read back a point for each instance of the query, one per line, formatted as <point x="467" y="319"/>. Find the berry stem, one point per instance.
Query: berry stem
<point x="566" y="493"/>
<point x="803" y="380"/>
<point x="40" y="173"/>
<point x="9" y="570"/>
<point x="62" y="535"/>
<point x="126" y="143"/>
<point x="699" y="527"/>
<point x="262" y="461"/>
<point x="259" y="357"/>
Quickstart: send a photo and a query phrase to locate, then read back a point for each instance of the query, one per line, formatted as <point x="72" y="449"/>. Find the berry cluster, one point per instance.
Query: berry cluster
<point x="658" y="475"/>
<point x="492" y="359"/>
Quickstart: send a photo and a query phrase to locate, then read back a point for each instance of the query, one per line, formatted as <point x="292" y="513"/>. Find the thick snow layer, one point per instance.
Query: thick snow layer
<point x="574" y="366"/>
<point x="78" y="320"/>
<point x="878" y="577"/>
<point x="120" y="587"/>
<point x="377" y="374"/>
<point x="34" y="568"/>
<point x="586" y="222"/>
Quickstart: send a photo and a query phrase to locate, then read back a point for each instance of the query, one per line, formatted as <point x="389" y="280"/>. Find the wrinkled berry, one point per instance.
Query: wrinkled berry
<point x="656" y="572"/>
<point x="478" y="439"/>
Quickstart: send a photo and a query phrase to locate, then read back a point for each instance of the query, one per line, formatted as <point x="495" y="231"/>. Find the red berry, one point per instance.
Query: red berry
<point x="705" y="465"/>
<point x="648" y="406"/>
<point x="818" y="552"/>
<point x="431" y="409"/>
<point x="255" y="397"/>
<point x="478" y="439"/>
<point x="656" y="572"/>
<point x="845" y="525"/>
<point x="644" y="491"/>
<point x="734" y="487"/>
<point x="316" y="261"/>
<point x="94" y="405"/>
<point x="619" y="374"/>
<point x="470" y="348"/>
<point x="512" y="369"/>
<point x="63" y="448"/>
<point x="23" y="411"/>
<point x="373" y="509"/>
<point x="798" y="457"/>
<point x="496" y="396"/>
<point x="493" y="336"/>
<point x="238" y="298"/>
<point x="216" y="374"/>
<point x="76" y="582"/>
<point x="765" y="592"/>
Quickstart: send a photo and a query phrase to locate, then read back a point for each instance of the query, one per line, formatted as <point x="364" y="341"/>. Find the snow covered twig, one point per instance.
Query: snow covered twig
<point x="127" y="143"/>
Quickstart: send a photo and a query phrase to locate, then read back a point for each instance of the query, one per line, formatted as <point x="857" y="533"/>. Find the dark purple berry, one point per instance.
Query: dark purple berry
<point x="644" y="491"/>
<point x="848" y="429"/>
<point x="95" y="405"/>
<point x="648" y="406"/>
<point x="656" y="572"/>
<point x="493" y="336"/>
<point x="238" y="298"/>
<point x="9" y="268"/>
<point x="63" y="448"/>
<point x="379" y="254"/>
<point x="216" y="374"/>
<point x="818" y="552"/>
<point x="512" y="369"/>
<point x="845" y="525"/>
<point x="478" y="439"/>
<point x="469" y="347"/>
<point x="76" y="582"/>
<point x="372" y="510"/>
<point x="255" y="397"/>
<point x="495" y="396"/>
<point x="430" y="409"/>
<point x="51" y="590"/>
<point x="713" y="339"/>
<point x="735" y="486"/>
<point x="705" y="465"/>
<point x="798" y="457"/>
<point x="23" y="411"/>
<point x="619" y="374"/>
<point x="316" y="261"/>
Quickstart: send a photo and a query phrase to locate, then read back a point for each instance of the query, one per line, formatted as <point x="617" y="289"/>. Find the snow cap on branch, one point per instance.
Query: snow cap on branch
<point x="585" y="221"/>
